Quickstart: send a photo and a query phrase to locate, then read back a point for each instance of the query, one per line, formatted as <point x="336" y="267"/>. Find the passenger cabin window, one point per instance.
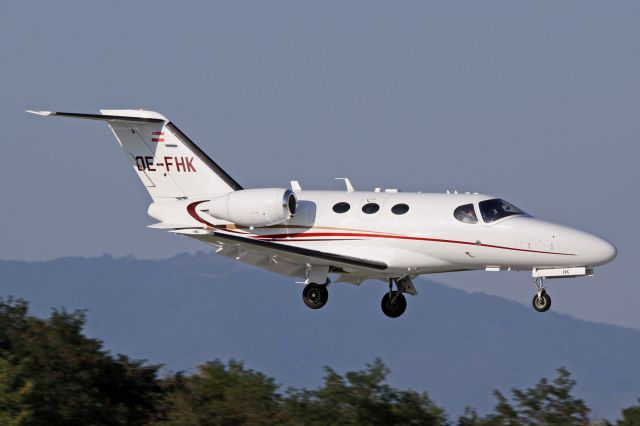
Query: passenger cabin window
<point x="492" y="210"/>
<point x="341" y="207"/>
<point x="370" y="208"/>
<point x="466" y="214"/>
<point x="400" y="209"/>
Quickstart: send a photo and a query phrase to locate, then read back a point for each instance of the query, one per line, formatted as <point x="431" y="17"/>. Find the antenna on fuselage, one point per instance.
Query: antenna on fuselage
<point x="347" y="183"/>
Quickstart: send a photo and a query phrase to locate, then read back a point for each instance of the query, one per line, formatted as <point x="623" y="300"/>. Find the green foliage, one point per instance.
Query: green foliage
<point x="547" y="403"/>
<point x="219" y="394"/>
<point x="361" y="397"/>
<point x="50" y="373"/>
<point x="471" y="418"/>
<point x="630" y="416"/>
<point x="14" y="392"/>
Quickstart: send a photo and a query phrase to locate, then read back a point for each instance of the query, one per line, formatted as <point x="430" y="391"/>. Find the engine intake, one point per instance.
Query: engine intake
<point x="254" y="207"/>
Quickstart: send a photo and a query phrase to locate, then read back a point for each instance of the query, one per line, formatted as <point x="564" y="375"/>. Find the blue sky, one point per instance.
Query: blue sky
<point x="535" y="102"/>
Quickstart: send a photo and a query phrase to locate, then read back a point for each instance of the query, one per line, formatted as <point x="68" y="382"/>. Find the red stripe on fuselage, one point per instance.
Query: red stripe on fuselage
<point x="399" y="237"/>
<point x="191" y="209"/>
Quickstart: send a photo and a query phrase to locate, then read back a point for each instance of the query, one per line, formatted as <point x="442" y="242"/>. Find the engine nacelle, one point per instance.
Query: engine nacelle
<point x="254" y="207"/>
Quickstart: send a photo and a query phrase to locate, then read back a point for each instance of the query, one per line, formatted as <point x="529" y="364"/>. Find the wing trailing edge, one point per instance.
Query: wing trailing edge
<point x="302" y="251"/>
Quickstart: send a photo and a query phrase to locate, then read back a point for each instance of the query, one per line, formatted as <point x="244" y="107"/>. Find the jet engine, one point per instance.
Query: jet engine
<point x="254" y="207"/>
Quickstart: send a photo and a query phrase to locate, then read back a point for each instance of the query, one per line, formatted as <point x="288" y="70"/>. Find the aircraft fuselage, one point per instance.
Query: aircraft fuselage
<point x="427" y="238"/>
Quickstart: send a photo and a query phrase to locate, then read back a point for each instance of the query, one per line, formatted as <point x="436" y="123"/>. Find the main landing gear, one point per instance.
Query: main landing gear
<point x="393" y="303"/>
<point x="315" y="295"/>
<point x="541" y="301"/>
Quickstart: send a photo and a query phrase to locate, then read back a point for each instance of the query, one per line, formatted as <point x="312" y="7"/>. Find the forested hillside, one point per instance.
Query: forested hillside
<point x="52" y="374"/>
<point x="187" y="310"/>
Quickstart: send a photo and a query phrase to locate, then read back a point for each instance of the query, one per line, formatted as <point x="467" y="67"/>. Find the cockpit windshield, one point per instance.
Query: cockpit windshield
<point x="493" y="210"/>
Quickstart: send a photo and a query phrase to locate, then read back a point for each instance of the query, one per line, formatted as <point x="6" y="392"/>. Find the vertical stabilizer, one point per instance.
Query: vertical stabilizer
<point x="167" y="162"/>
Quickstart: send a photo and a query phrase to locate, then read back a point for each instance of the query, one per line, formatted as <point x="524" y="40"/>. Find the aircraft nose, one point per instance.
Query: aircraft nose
<point x="598" y="251"/>
<point x="608" y="251"/>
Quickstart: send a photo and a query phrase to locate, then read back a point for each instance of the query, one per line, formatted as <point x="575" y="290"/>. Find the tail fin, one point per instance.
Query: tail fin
<point x="167" y="162"/>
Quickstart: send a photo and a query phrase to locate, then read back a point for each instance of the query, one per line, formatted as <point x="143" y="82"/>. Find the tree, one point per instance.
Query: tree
<point x="219" y="394"/>
<point x="50" y="373"/>
<point x="14" y="391"/>
<point x="360" y="397"/>
<point x="547" y="403"/>
<point x="630" y="416"/>
<point x="472" y="418"/>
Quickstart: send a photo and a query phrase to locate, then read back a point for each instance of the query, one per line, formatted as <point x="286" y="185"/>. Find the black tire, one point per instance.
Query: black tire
<point x="542" y="303"/>
<point x="394" y="304"/>
<point x="315" y="295"/>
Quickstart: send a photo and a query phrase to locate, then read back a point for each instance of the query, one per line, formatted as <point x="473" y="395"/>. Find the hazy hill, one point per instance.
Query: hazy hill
<point x="457" y="345"/>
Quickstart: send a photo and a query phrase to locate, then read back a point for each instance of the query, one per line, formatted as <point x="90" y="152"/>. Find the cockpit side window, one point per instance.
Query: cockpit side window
<point x="466" y="214"/>
<point x="493" y="210"/>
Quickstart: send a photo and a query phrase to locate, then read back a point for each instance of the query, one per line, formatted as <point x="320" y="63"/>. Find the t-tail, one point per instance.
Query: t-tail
<point x="167" y="162"/>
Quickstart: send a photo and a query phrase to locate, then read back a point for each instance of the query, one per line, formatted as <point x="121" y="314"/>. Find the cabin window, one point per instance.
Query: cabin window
<point x="370" y="208"/>
<point x="466" y="214"/>
<point x="493" y="210"/>
<point x="341" y="207"/>
<point x="400" y="209"/>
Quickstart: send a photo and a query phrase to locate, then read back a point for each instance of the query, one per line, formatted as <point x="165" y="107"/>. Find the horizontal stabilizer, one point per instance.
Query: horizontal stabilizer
<point x="139" y="117"/>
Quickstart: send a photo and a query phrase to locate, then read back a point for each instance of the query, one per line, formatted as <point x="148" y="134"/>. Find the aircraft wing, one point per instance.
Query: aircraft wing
<point x="285" y="258"/>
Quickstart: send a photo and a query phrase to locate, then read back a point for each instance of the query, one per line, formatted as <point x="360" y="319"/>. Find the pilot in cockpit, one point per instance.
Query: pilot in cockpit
<point x="490" y="214"/>
<point x="468" y="214"/>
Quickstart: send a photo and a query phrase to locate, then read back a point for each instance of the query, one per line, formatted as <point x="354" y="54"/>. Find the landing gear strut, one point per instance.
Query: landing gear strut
<point x="315" y="295"/>
<point x="393" y="303"/>
<point x="541" y="301"/>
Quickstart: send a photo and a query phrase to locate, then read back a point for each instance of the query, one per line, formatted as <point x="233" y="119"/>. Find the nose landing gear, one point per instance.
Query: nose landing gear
<point x="315" y="296"/>
<point x="541" y="301"/>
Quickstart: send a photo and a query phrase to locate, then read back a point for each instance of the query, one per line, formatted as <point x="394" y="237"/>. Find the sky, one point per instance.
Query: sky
<point x="534" y="102"/>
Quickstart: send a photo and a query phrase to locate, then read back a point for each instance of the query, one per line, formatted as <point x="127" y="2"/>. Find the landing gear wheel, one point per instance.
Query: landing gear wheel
<point x="393" y="304"/>
<point x="315" y="295"/>
<point x="541" y="302"/>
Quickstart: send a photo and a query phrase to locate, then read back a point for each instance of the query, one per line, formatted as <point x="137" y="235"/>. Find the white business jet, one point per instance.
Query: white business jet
<point x="324" y="237"/>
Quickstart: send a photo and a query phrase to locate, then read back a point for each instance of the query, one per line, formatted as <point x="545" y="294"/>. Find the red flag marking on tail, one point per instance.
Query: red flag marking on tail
<point x="157" y="139"/>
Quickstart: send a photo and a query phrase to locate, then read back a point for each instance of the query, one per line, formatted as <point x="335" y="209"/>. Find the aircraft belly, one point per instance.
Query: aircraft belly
<point x="402" y="257"/>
